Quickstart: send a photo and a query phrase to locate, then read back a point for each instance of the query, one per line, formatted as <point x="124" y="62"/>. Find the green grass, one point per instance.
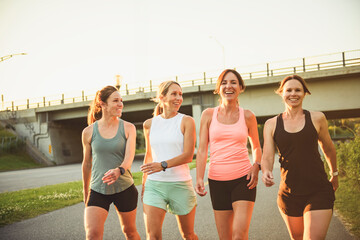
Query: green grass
<point x="5" y="133"/>
<point x="16" y="161"/>
<point x="348" y="204"/>
<point x="29" y="203"/>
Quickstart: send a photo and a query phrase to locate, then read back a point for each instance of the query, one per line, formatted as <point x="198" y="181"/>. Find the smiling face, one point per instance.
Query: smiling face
<point x="173" y="98"/>
<point x="114" y="105"/>
<point x="229" y="87"/>
<point x="293" y="93"/>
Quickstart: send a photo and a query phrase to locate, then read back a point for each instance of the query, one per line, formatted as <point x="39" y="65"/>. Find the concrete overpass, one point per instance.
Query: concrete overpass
<point x="55" y="131"/>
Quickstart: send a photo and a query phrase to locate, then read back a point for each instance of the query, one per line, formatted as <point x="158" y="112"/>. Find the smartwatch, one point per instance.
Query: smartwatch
<point x="259" y="164"/>
<point x="164" y="165"/>
<point x="122" y="170"/>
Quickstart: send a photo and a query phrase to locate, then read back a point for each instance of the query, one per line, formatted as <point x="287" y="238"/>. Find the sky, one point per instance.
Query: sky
<point x="75" y="45"/>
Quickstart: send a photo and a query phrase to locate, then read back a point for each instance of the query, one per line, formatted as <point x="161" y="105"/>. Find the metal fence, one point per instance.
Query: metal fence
<point x="293" y="66"/>
<point x="8" y="142"/>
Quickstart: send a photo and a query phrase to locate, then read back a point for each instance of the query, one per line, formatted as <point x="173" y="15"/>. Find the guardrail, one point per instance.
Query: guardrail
<point x="308" y="64"/>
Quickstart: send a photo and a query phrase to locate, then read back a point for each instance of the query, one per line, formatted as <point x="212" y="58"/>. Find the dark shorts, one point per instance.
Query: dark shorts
<point x="224" y="193"/>
<point x="296" y="205"/>
<point x="124" y="201"/>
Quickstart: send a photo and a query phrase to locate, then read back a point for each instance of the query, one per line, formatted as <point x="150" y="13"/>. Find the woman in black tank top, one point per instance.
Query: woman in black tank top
<point x="306" y="196"/>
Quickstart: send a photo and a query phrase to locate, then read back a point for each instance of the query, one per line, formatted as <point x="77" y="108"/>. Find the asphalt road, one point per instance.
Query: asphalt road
<point x="67" y="223"/>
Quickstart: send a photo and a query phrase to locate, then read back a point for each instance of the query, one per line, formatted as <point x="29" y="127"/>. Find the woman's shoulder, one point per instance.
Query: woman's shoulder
<point x="317" y="117"/>
<point x="88" y="131"/>
<point x="248" y="114"/>
<point x="147" y="123"/>
<point x="188" y="119"/>
<point x="271" y="122"/>
<point x="208" y="112"/>
<point x="128" y="125"/>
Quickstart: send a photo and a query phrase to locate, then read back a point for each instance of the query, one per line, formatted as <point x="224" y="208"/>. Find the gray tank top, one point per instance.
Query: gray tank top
<point x="108" y="154"/>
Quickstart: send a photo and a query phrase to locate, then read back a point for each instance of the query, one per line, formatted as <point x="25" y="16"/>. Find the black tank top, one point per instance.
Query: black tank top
<point x="302" y="170"/>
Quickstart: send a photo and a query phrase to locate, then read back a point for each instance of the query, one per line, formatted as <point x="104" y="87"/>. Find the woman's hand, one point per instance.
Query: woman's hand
<point x="335" y="182"/>
<point x="150" y="168"/>
<point x="268" y="178"/>
<point x="200" y="188"/>
<point x="111" y="176"/>
<point x="253" y="176"/>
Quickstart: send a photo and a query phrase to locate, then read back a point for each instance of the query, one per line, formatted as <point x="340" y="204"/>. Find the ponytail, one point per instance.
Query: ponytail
<point x="95" y="111"/>
<point x="158" y="109"/>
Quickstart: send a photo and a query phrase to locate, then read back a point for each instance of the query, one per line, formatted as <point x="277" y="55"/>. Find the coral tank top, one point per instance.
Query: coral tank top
<point x="229" y="158"/>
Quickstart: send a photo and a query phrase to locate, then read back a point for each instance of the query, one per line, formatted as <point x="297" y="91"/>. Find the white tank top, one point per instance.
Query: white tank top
<point x="167" y="142"/>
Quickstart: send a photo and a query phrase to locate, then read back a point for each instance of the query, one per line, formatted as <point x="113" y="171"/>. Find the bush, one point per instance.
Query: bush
<point x="348" y="157"/>
<point x="11" y="145"/>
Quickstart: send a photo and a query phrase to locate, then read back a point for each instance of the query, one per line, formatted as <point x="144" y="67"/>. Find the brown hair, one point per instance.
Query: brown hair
<point x="102" y="95"/>
<point x="221" y="77"/>
<point x="162" y="91"/>
<point x="293" y="77"/>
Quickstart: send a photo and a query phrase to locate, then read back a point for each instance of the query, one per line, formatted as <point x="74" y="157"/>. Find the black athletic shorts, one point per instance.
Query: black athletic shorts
<point x="297" y="205"/>
<point x="124" y="201"/>
<point x="224" y="193"/>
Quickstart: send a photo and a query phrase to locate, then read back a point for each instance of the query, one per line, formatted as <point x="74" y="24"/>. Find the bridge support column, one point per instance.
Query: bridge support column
<point x="196" y="113"/>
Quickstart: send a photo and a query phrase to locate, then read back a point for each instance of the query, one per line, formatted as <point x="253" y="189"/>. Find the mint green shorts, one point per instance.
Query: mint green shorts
<point x="178" y="198"/>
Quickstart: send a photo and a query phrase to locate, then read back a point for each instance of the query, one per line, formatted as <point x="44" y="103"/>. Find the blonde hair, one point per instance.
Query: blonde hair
<point x="162" y="91"/>
<point x="102" y="95"/>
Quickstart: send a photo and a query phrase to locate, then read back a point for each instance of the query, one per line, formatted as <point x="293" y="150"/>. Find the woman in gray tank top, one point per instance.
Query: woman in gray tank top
<point x="108" y="152"/>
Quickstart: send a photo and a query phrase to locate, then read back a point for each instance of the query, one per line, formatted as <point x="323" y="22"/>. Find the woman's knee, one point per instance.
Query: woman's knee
<point x="130" y="231"/>
<point x="240" y="234"/>
<point x="93" y="233"/>
<point x="154" y="236"/>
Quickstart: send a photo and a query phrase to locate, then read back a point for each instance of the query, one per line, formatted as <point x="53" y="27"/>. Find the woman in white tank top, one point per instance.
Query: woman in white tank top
<point x="167" y="185"/>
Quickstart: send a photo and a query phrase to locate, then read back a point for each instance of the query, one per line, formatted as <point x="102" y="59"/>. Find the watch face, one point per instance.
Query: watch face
<point x="122" y="170"/>
<point x="164" y="165"/>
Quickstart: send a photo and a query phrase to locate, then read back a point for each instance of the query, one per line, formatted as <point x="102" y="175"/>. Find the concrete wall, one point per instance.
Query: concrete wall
<point x="66" y="142"/>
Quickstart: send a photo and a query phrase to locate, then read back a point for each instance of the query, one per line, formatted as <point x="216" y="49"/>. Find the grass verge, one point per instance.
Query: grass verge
<point x="29" y="203"/>
<point x="347" y="204"/>
<point x="16" y="161"/>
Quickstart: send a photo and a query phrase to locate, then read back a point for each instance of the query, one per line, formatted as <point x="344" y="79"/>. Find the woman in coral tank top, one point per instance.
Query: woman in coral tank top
<point x="232" y="178"/>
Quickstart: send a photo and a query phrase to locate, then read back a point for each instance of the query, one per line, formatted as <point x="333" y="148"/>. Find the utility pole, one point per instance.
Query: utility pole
<point x="10" y="56"/>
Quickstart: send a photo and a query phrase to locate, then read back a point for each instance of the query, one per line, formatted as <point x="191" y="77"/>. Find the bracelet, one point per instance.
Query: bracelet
<point x="334" y="174"/>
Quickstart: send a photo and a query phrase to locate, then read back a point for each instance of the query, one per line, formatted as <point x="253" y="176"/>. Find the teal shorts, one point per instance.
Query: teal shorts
<point x="178" y="198"/>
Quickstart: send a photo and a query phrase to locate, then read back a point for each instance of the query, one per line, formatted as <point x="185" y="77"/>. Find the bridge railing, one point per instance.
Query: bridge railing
<point x="292" y="66"/>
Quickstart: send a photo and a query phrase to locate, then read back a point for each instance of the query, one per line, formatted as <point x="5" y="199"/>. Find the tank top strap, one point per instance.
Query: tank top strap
<point x="121" y="129"/>
<point x="307" y="116"/>
<point x="215" y="112"/>
<point x="279" y="122"/>
<point x="308" y="122"/>
<point x="95" y="131"/>
<point x="242" y="119"/>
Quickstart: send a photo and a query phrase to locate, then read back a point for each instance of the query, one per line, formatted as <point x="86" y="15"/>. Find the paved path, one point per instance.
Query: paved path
<point x="67" y="223"/>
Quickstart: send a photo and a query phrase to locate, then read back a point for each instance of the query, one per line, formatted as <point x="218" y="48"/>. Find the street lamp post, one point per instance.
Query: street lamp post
<point x="222" y="48"/>
<point x="118" y="81"/>
<point x="10" y="56"/>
